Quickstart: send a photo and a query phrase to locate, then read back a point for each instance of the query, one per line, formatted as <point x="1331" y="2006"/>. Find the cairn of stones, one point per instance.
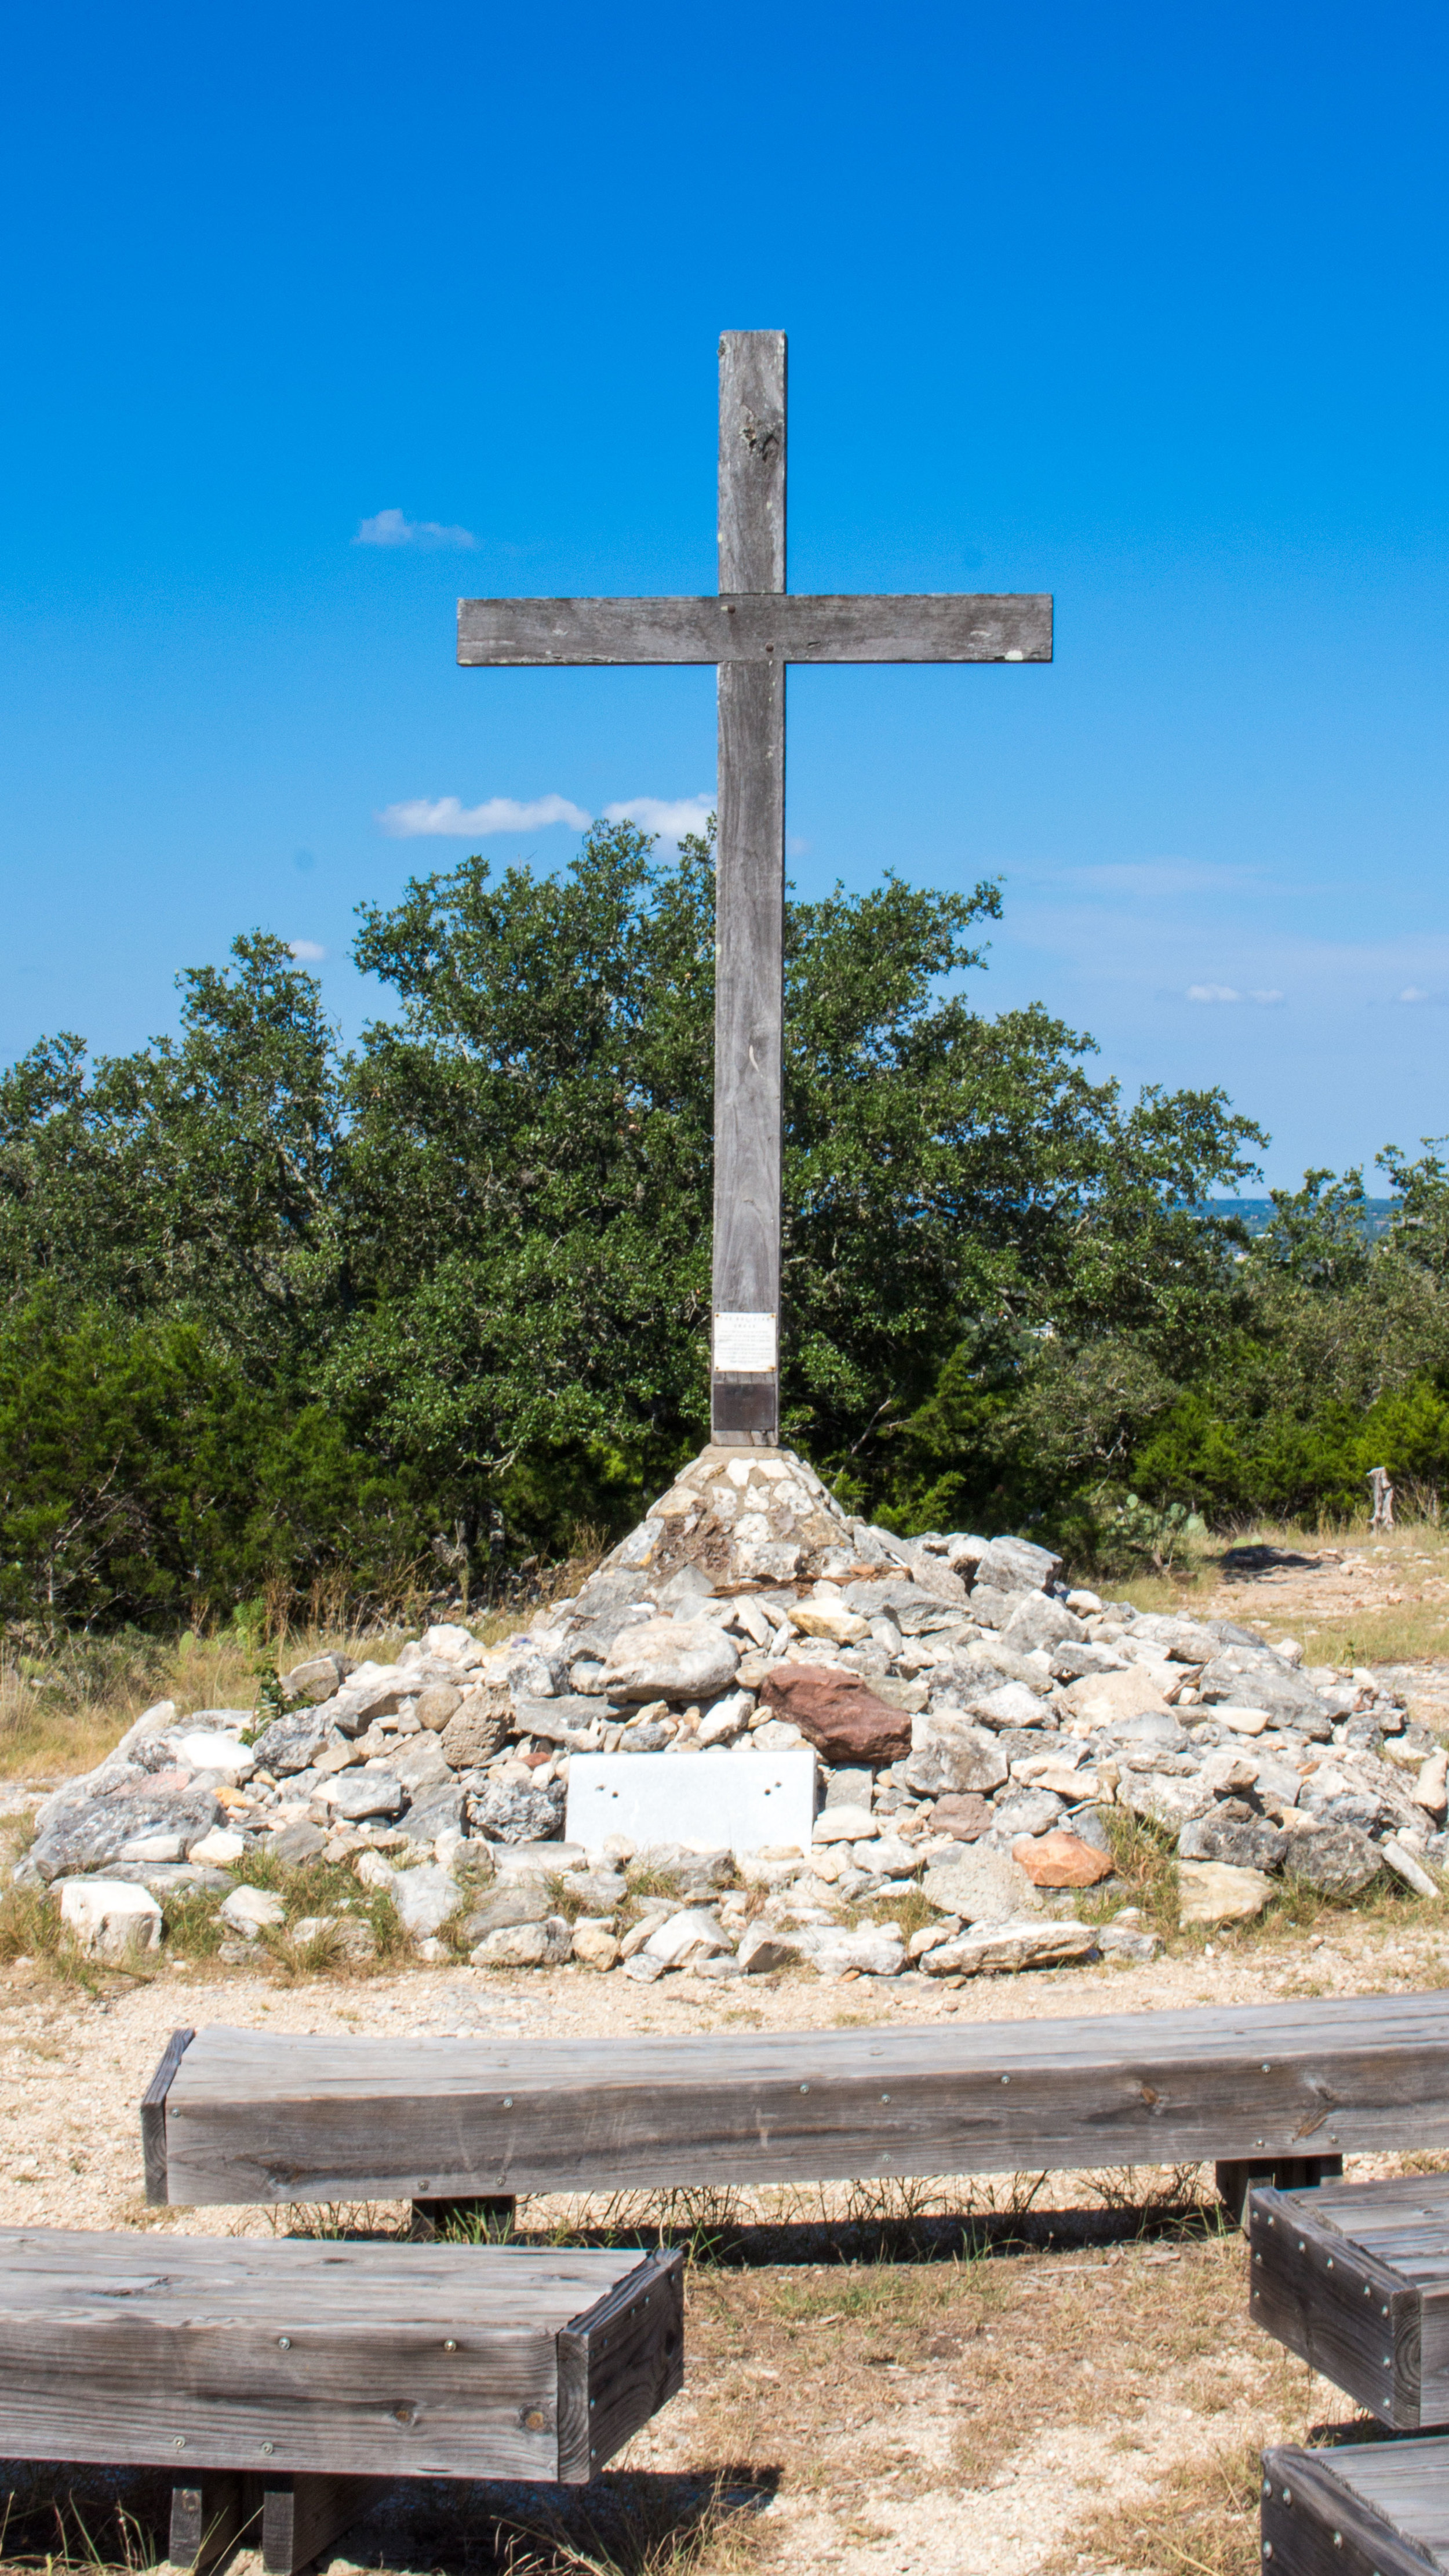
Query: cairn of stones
<point x="981" y="1731"/>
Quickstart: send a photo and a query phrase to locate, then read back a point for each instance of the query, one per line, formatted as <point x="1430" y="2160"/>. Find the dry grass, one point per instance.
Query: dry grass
<point x="1201" y="2519"/>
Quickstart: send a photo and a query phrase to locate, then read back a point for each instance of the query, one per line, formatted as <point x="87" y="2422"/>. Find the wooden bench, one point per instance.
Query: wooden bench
<point x="271" y="2378"/>
<point x="1368" y="2509"/>
<point x="1280" y="2090"/>
<point x="1354" y="2278"/>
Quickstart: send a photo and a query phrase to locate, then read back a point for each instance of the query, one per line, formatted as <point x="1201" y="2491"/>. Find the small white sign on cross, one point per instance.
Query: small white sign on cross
<point x="753" y="629"/>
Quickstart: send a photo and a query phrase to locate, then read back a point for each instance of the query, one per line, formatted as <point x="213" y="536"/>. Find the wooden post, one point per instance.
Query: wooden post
<point x="207" y="2517"/>
<point x="302" y="2516"/>
<point x="750" y="905"/>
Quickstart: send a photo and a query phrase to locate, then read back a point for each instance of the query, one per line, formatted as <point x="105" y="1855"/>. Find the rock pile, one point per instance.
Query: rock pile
<point x="975" y="1722"/>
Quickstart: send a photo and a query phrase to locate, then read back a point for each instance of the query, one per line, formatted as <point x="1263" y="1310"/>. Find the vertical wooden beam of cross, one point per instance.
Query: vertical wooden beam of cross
<point x="752" y="630"/>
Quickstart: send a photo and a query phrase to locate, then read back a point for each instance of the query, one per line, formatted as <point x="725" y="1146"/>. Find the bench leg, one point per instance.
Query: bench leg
<point x="206" y="2520"/>
<point x="1285" y="2173"/>
<point x="302" y="2516"/>
<point x="493" y="2215"/>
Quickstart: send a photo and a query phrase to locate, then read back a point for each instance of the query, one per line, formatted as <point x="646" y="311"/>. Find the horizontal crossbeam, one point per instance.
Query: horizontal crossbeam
<point x="756" y="626"/>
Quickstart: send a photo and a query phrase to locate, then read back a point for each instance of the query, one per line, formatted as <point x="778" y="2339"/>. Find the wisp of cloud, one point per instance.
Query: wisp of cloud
<point x="390" y="528"/>
<point x="670" y="817"/>
<point x="444" y="817"/>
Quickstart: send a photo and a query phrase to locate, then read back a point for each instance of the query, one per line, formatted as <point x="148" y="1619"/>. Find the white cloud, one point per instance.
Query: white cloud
<point x="1265" y="997"/>
<point x="390" y="528"/>
<point x="443" y="817"/>
<point x="1212" y="993"/>
<point x="306" y="952"/>
<point x="669" y="817"/>
<point x="1413" y="993"/>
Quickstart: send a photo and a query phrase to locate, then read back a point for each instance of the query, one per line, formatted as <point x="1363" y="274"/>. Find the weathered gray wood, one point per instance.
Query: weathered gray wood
<point x="301" y="2517"/>
<point x="748" y="1023"/>
<point x="1234" y="2181"/>
<point x="253" y="2116"/>
<point x="749" y="881"/>
<point x="1354" y="2277"/>
<point x="752" y="461"/>
<point x="290" y="2358"/>
<point x="619" y="2362"/>
<point x="153" y="2114"/>
<point x="912" y="626"/>
<point x="207" y="2518"/>
<point x="1365" y="2509"/>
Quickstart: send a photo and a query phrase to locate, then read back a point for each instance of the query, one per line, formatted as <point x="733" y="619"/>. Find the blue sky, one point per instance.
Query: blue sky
<point x="1141" y="306"/>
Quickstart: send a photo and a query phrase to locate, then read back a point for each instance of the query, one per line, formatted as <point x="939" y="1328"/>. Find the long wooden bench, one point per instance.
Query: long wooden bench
<point x="273" y="2377"/>
<point x="1354" y="2278"/>
<point x="1367" y="2509"/>
<point x="1278" y="2090"/>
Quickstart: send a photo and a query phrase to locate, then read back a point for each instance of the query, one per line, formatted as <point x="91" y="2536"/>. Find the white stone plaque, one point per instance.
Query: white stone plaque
<point x="743" y="1802"/>
<point x="745" y="1342"/>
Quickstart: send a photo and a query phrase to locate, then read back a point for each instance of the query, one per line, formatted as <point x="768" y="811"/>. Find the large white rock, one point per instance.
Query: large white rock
<point x="688" y="1935"/>
<point x="981" y="1886"/>
<point x="1105" y="1699"/>
<point x="997" y="1949"/>
<point x="424" y="1898"/>
<point x="875" y="1950"/>
<point x="218" y="1848"/>
<point x="846" y="1824"/>
<point x="676" y="1659"/>
<point x="452" y="1645"/>
<point x="154" y="1847"/>
<point x="949" y="1753"/>
<point x="109" y="1918"/>
<point x="205" y="1749"/>
<point x="250" y="1910"/>
<point x="525" y="1945"/>
<point x="1212" y="1891"/>
<point x="746" y="1802"/>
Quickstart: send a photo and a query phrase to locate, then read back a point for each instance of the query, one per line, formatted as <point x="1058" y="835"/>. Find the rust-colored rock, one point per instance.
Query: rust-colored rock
<point x="962" y="1812"/>
<point x="837" y="1714"/>
<point x="1060" y="1860"/>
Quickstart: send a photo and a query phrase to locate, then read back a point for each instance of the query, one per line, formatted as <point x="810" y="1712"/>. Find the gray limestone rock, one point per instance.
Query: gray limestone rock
<point x="980" y="1885"/>
<point x="1244" y="1842"/>
<point x="597" y="1890"/>
<point x="437" y="1703"/>
<point x="292" y="1743"/>
<point x="420" y="1763"/>
<point x="425" y="1899"/>
<point x="994" y="1608"/>
<point x="1027" y="1811"/>
<point x="506" y="1812"/>
<point x="98" y="1829"/>
<point x="949" y="1753"/>
<point x="1016" y="1565"/>
<point x="1338" y="1860"/>
<point x="317" y="1678"/>
<point x="357" y="1794"/>
<point x="297" y="1842"/>
<point x="476" y="1731"/>
<point x="673" y="1659"/>
<point x="895" y="1597"/>
<point x="435" y="1810"/>
<point x="522" y="1900"/>
<point x="1041" y="1621"/>
<point x="1186" y="1641"/>
<point x="570" y="1719"/>
<point x="1259" y="1680"/>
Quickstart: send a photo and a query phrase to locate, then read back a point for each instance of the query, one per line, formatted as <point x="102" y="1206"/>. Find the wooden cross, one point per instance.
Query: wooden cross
<point x="752" y="631"/>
